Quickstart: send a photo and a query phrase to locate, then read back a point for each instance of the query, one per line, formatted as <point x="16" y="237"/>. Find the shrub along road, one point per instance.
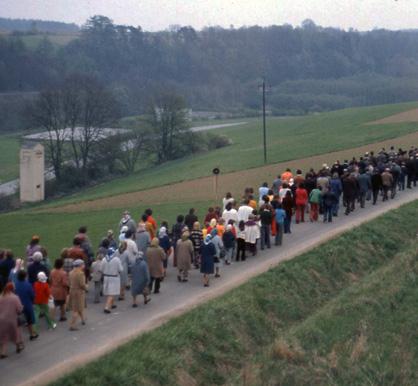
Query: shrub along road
<point x="59" y="351"/>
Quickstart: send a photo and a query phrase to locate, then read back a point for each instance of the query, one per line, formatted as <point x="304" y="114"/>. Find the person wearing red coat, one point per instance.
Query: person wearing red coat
<point x="301" y="199"/>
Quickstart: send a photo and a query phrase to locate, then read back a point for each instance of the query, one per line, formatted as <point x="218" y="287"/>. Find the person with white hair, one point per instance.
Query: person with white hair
<point x="36" y="267"/>
<point x="111" y="269"/>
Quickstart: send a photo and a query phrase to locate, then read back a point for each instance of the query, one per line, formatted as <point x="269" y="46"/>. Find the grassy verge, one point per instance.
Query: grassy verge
<point x="315" y="301"/>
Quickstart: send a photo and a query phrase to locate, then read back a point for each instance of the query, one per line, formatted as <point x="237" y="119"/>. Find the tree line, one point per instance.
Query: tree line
<point x="309" y="68"/>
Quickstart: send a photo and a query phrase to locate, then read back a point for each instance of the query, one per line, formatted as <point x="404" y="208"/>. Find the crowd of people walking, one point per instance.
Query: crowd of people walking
<point x="136" y="259"/>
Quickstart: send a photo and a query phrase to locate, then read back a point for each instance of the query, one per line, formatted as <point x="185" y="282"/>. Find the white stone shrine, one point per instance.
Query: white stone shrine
<point x="32" y="169"/>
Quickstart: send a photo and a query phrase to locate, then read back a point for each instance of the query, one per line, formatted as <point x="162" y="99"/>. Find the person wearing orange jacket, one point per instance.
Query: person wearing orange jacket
<point x="301" y="199"/>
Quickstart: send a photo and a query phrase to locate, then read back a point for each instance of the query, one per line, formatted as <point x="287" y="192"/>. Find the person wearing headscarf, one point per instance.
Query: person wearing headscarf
<point x="207" y="260"/>
<point x="122" y="233"/>
<point x="111" y="269"/>
<point x="140" y="280"/>
<point x="10" y="308"/>
<point x="184" y="252"/>
<point x="42" y="295"/>
<point x="165" y="244"/>
<point x="77" y="298"/>
<point x="155" y="259"/>
<point x="24" y="291"/>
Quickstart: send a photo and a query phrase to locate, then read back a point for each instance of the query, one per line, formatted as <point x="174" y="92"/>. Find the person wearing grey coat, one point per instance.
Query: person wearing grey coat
<point x="365" y="184"/>
<point x="142" y="240"/>
<point x="140" y="280"/>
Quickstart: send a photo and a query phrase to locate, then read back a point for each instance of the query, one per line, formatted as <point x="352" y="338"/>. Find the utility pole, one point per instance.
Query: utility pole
<point x="263" y="88"/>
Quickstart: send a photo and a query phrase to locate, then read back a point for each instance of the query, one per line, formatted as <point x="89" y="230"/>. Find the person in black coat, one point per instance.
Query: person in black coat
<point x="377" y="184"/>
<point x="350" y="190"/>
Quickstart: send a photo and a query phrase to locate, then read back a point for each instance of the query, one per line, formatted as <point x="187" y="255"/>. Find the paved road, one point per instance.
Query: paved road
<point x="59" y="351"/>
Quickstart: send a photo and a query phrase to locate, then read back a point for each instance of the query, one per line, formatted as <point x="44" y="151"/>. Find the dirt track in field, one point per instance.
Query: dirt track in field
<point x="202" y="189"/>
<point x="406" y="116"/>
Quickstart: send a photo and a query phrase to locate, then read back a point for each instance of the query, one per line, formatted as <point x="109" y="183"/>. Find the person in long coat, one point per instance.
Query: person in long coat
<point x="155" y="260"/>
<point x="59" y="288"/>
<point x="124" y="257"/>
<point x="10" y="308"/>
<point x="140" y="280"/>
<point x="142" y="239"/>
<point x="111" y="269"/>
<point x="184" y="252"/>
<point x="24" y="290"/>
<point x="207" y="262"/>
<point x="78" y="288"/>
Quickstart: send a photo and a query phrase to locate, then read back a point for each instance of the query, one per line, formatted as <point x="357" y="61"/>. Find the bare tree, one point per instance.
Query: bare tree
<point x="91" y="106"/>
<point x="132" y="146"/>
<point x="48" y="112"/>
<point x="170" y="125"/>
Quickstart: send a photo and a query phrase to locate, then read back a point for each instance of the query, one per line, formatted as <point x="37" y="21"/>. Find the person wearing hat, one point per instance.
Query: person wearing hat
<point x="31" y="248"/>
<point x="127" y="221"/>
<point x="77" y="298"/>
<point x="207" y="262"/>
<point x="111" y="269"/>
<point x="155" y="260"/>
<point x="140" y="280"/>
<point x="42" y="295"/>
<point x="219" y="250"/>
<point x="184" y="252"/>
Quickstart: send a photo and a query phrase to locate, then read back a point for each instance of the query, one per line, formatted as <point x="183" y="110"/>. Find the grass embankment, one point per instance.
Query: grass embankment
<point x="287" y="139"/>
<point x="344" y="313"/>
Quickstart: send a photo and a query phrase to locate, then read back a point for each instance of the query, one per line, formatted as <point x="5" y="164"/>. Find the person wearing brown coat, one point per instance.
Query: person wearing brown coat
<point x="155" y="258"/>
<point x="59" y="287"/>
<point x="387" y="182"/>
<point x="184" y="252"/>
<point x="10" y="307"/>
<point x="78" y="290"/>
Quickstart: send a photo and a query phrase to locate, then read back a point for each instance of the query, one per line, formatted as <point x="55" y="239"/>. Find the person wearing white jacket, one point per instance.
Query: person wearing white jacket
<point x="252" y="234"/>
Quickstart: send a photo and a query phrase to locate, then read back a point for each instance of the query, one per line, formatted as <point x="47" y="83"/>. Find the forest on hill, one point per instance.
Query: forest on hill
<point x="308" y="68"/>
<point x="34" y="26"/>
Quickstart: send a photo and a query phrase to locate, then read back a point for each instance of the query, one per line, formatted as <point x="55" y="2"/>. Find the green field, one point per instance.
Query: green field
<point x="341" y="314"/>
<point x="9" y="158"/>
<point x="288" y="139"/>
<point x="295" y="138"/>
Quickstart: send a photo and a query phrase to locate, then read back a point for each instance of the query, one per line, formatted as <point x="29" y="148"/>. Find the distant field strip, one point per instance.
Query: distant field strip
<point x="202" y="189"/>
<point x="406" y="116"/>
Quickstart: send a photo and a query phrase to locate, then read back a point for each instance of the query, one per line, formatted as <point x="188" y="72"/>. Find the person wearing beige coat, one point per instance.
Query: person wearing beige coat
<point x="78" y="288"/>
<point x="155" y="258"/>
<point x="184" y="253"/>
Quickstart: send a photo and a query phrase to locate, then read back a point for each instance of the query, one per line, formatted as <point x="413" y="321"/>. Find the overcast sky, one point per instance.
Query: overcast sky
<point x="159" y="14"/>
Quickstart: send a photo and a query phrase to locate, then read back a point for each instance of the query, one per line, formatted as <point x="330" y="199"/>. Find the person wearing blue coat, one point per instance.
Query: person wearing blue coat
<point x="24" y="290"/>
<point x="208" y="253"/>
<point x="140" y="280"/>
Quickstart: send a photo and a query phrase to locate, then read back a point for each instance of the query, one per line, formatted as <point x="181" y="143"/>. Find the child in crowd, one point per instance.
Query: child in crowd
<point x="42" y="295"/>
